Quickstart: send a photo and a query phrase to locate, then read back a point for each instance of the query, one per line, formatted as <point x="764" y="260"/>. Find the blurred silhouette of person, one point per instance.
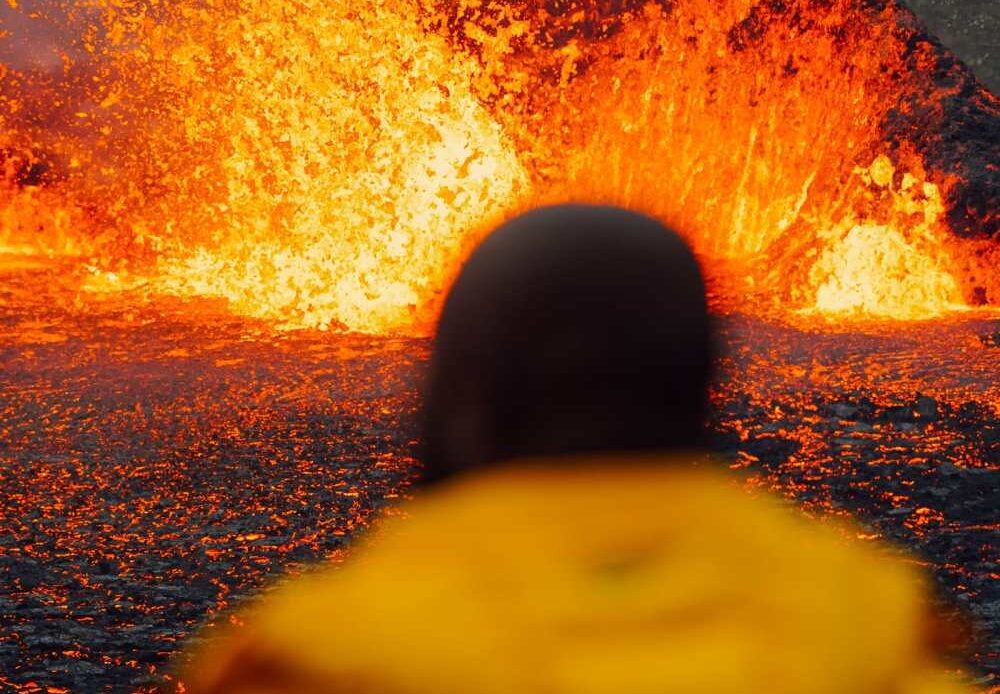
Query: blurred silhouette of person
<point x="571" y="535"/>
<point x="570" y="330"/>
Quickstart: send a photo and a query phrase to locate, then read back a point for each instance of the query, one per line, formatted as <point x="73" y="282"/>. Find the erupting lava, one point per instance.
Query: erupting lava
<point x="327" y="164"/>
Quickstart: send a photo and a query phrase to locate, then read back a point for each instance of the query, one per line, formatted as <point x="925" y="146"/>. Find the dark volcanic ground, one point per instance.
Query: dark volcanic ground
<point x="971" y="28"/>
<point x="159" y="466"/>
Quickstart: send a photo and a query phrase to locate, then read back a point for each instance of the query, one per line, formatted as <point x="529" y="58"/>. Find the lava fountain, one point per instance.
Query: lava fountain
<point x="328" y="164"/>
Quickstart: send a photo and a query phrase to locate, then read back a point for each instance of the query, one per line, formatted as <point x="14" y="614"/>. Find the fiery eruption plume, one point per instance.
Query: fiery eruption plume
<point x="328" y="164"/>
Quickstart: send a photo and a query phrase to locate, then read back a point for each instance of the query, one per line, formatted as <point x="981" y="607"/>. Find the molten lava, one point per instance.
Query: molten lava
<point x="328" y="164"/>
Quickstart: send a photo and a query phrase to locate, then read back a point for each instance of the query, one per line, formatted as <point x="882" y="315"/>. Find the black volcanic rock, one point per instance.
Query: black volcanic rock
<point x="990" y="339"/>
<point x="970" y="28"/>
<point x="955" y="126"/>
<point x="26" y="573"/>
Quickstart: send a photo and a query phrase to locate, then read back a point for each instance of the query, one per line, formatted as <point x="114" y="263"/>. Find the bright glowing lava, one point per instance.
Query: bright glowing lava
<point x="325" y="164"/>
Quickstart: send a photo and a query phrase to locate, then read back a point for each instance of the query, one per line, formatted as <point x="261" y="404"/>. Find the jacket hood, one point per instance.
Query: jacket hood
<point x="606" y="576"/>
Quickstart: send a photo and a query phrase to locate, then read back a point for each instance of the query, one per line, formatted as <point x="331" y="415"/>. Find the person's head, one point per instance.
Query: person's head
<point x="571" y="329"/>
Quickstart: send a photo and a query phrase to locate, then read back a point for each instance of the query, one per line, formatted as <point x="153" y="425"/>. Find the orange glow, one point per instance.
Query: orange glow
<point x="889" y="271"/>
<point x="328" y="164"/>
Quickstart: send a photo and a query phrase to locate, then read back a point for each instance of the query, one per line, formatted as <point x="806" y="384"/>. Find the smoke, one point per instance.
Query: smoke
<point x="44" y="36"/>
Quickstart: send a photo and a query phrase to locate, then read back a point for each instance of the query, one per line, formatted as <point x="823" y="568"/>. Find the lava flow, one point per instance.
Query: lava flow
<point x="328" y="164"/>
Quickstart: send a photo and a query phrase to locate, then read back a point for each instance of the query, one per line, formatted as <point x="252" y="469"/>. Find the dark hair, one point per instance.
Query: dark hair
<point x="570" y="329"/>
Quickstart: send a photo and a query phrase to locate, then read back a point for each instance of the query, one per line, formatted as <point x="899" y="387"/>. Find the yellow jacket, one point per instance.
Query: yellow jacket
<point x="594" y="577"/>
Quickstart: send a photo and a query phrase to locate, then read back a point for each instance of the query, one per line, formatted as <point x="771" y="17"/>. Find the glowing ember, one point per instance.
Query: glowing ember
<point x="325" y="164"/>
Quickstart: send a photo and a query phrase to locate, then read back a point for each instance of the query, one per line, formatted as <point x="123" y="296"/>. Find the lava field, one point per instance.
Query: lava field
<point x="159" y="466"/>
